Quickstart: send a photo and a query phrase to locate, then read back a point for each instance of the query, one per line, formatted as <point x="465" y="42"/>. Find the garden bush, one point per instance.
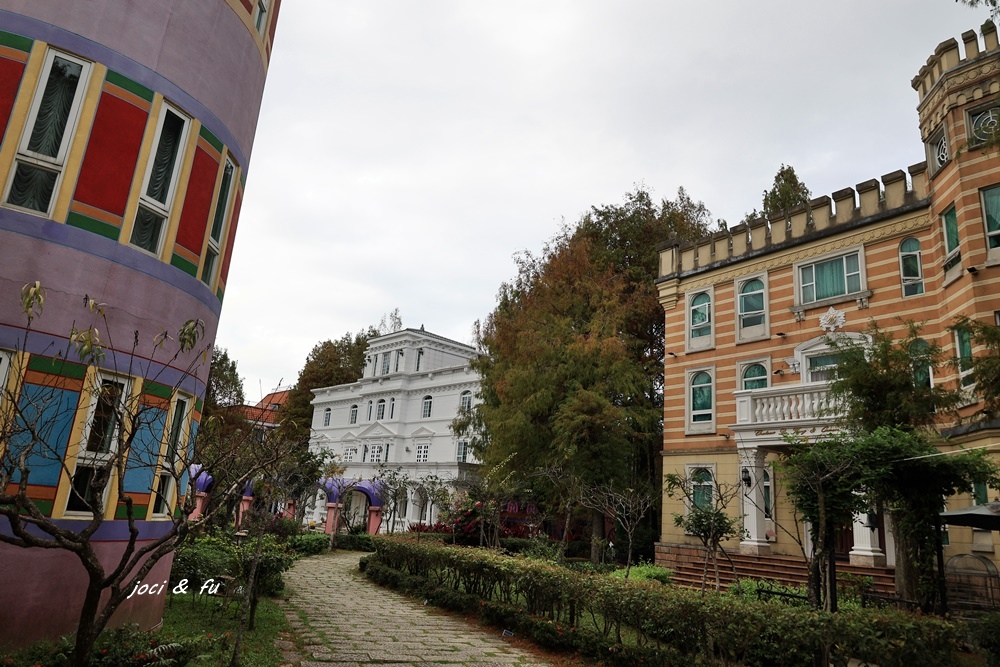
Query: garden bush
<point x="644" y="571"/>
<point x="309" y="544"/>
<point x="361" y="542"/>
<point x="984" y="633"/>
<point x="205" y="558"/>
<point x="115" y="648"/>
<point x="644" y="622"/>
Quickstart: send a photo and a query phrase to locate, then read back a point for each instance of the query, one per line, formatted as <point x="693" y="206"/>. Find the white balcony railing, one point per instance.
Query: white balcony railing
<point x="784" y="406"/>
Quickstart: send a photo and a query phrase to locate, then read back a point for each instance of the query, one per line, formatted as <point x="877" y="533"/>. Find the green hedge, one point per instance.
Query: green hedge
<point x="661" y="625"/>
<point x="360" y="542"/>
<point x="309" y="544"/>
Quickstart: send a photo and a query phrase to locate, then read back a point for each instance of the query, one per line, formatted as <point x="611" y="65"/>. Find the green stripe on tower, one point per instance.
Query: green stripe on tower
<point x="211" y="138"/>
<point x="91" y="225"/>
<point x="16" y="41"/>
<point x="156" y="389"/>
<point x="60" y="367"/>
<point x="129" y="85"/>
<point x="184" y="265"/>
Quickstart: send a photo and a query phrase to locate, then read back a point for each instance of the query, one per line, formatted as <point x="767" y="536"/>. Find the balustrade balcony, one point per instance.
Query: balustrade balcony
<point x="765" y="416"/>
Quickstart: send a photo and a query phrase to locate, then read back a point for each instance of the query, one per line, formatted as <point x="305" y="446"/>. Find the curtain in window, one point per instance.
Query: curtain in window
<point x="951" y="231"/>
<point x="920" y="351"/>
<point x="830" y="280"/>
<point x="701" y="316"/>
<point x="32" y="187"/>
<point x="54" y="108"/>
<point x="146" y="231"/>
<point x="991" y="199"/>
<point x="166" y="155"/>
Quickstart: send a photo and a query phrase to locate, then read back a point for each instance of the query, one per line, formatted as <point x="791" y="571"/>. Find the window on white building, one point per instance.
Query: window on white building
<point x="830" y="278"/>
<point x="52" y="119"/>
<point x="392" y="408"/>
<point x="375" y="453"/>
<point x="380" y="409"/>
<point x="326" y="416"/>
<point x="465" y="400"/>
<point x="218" y="223"/>
<point x="420" y="356"/>
<point x="463" y="451"/>
<point x="426" y="407"/>
<point x="353" y="419"/>
<point x="423" y="451"/>
<point x="349" y="454"/>
<point x="369" y="411"/>
<point x="386" y="356"/>
<point x="910" y="267"/>
<point x="160" y="181"/>
<point x="399" y="359"/>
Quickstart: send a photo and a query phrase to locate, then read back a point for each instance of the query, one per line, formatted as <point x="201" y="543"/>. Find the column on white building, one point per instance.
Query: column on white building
<point x="866" y="550"/>
<point x="754" y="522"/>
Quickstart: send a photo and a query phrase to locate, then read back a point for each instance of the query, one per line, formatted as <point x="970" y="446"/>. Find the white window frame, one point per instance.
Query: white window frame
<point x="938" y="150"/>
<point x="952" y="256"/>
<point x="260" y="15"/>
<point x="465" y="400"/>
<point x="162" y="209"/>
<point x="992" y="253"/>
<point x="370" y="404"/>
<point x="423" y="452"/>
<point x="349" y="454"/>
<point x="965" y="381"/>
<point x="214" y="248"/>
<point x="744" y="364"/>
<point x="49" y="163"/>
<point x="760" y="331"/>
<point x="353" y="415"/>
<point x="827" y="257"/>
<point x="399" y="356"/>
<point x="87" y="458"/>
<point x="817" y="347"/>
<point x="707" y="341"/>
<point x="380" y="409"/>
<point x="374" y="452"/>
<point x="992" y="113"/>
<point x="462" y="451"/>
<point x="426" y="406"/>
<point x="392" y="408"/>
<point x="386" y="356"/>
<point x="327" y="412"/>
<point x="689" y="471"/>
<point x="692" y="427"/>
<point x="906" y="282"/>
<point x="180" y="420"/>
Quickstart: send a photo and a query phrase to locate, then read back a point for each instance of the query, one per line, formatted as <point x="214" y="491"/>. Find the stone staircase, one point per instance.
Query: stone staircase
<point x="688" y="562"/>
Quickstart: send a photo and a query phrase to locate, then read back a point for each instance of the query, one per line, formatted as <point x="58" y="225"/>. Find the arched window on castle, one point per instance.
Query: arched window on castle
<point x="910" y="267"/>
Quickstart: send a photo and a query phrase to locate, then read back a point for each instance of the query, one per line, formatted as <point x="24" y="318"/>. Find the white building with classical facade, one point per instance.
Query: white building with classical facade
<point x="399" y="414"/>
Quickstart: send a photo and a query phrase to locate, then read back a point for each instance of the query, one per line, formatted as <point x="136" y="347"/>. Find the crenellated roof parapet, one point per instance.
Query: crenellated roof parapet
<point x="869" y="201"/>
<point x="948" y="80"/>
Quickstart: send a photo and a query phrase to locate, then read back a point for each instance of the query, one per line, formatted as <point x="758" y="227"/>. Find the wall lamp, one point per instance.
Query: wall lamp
<point x="746" y="478"/>
<point x="780" y="334"/>
<point x="778" y="372"/>
<point x="672" y="354"/>
<point x="973" y="270"/>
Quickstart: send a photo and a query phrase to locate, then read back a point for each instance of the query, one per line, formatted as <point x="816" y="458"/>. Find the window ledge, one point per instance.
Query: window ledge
<point x="753" y="339"/>
<point x="860" y="297"/>
<point x="952" y="274"/>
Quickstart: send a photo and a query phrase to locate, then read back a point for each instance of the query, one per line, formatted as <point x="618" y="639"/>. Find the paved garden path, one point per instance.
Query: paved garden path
<point x="343" y="620"/>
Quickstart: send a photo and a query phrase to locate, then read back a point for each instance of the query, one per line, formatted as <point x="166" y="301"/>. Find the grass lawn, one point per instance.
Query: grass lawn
<point x="189" y="616"/>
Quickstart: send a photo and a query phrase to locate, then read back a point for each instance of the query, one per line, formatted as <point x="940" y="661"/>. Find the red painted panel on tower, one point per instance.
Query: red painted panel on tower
<point x="198" y="202"/>
<point x="232" y="236"/>
<point x="112" y="153"/>
<point x="247" y="4"/>
<point x="10" y="80"/>
<point x="274" y="19"/>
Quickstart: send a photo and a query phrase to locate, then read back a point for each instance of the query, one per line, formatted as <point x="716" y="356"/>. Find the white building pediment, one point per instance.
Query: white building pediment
<point x="422" y="432"/>
<point x="376" y="430"/>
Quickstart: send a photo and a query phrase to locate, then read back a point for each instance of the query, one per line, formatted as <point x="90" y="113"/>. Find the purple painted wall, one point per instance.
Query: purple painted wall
<point x="49" y="600"/>
<point x="167" y="36"/>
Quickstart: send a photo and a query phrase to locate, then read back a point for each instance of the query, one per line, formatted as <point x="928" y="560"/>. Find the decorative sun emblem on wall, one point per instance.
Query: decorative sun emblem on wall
<point x="832" y="320"/>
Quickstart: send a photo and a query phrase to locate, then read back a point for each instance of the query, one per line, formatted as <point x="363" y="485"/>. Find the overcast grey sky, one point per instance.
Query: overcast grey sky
<point x="407" y="150"/>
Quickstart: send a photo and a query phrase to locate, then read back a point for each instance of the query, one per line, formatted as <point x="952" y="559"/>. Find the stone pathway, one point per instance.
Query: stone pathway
<point x="343" y="620"/>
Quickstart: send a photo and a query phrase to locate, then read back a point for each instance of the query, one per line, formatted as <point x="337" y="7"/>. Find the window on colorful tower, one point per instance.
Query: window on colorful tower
<point x="160" y="181"/>
<point x="910" y="269"/>
<point x="260" y="18"/>
<point x="51" y="123"/>
<point x="218" y="223"/>
<point x="100" y="443"/>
